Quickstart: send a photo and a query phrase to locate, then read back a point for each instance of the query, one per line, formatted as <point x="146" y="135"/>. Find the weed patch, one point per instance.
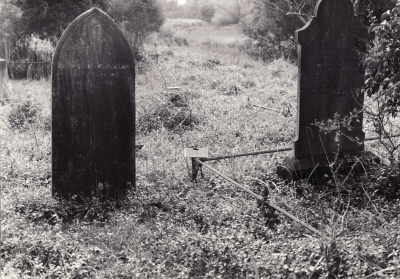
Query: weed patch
<point x="174" y="228"/>
<point x="171" y="116"/>
<point x="55" y="211"/>
<point x="211" y="63"/>
<point x="23" y="114"/>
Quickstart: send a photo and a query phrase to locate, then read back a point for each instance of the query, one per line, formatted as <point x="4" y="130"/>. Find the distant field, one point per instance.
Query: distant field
<point x="183" y="22"/>
<point x="198" y="30"/>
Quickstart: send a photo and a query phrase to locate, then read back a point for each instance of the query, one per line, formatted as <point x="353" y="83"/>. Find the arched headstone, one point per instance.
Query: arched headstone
<point x="329" y="88"/>
<point x="93" y="109"/>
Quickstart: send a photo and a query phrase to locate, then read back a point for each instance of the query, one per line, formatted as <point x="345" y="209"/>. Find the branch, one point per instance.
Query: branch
<point x="300" y="16"/>
<point x="275" y="7"/>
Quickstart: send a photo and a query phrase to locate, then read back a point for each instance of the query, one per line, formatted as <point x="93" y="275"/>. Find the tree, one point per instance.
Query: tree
<point x="207" y="12"/>
<point x="272" y="24"/>
<point x="9" y="27"/>
<point x="48" y="19"/>
<point x="137" y="19"/>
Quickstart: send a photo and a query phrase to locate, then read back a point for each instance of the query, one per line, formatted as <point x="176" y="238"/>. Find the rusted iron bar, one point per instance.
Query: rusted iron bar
<point x="248" y="154"/>
<point x="262" y="199"/>
<point x="266" y="108"/>
<point x="270" y="151"/>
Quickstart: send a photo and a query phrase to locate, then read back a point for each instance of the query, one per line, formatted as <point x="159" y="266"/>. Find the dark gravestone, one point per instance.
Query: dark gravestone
<point x="93" y="109"/>
<point x="330" y="81"/>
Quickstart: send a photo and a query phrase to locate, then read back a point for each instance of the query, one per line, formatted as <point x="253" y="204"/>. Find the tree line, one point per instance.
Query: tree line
<point x="47" y="20"/>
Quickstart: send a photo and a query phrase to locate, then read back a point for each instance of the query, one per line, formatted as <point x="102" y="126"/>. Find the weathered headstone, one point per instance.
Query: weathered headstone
<point x="93" y="109"/>
<point x="330" y="79"/>
<point x="2" y="77"/>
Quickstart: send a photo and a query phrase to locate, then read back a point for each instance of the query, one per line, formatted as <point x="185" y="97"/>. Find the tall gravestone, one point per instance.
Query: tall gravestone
<point x="93" y="109"/>
<point x="329" y="87"/>
<point x="2" y="77"/>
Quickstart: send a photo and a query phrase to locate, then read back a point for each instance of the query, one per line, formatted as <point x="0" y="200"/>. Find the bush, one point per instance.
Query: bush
<point x="207" y="12"/>
<point x="173" y="115"/>
<point x="181" y="41"/>
<point x="22" y="115"/>
<point x="383" y="62"/>
<point x="211" y="63"/>
<point x="382" y="84"/>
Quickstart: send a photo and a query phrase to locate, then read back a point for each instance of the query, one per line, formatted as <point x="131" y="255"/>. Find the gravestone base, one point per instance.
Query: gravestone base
<point x="293" y="169"/>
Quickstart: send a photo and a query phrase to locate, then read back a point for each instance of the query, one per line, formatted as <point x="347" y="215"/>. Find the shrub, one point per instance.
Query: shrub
<point x="248" y="83"/>
<point x="23" y="114"/>
<point x="173" y="115"/>
<point x="383" y="62"/>
<point x="231" y="90"/>
<point x="382" y="74"/>
<point x="207" y="12"/>
<point x="211" y="63"/>
<point x="181" y="41"/>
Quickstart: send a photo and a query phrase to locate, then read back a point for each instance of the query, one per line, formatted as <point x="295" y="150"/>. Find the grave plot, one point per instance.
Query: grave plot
<point x="93" y="109"/>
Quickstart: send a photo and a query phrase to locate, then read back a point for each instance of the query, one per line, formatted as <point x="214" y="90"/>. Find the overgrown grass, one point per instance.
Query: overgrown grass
<point x="173" y="228"/>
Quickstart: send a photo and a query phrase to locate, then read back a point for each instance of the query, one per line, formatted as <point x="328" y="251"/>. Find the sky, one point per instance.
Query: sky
<point x="181" y="2"/>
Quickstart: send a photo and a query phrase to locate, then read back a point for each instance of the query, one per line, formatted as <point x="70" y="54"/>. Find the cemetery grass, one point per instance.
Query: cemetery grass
<point x="173" y="228"/>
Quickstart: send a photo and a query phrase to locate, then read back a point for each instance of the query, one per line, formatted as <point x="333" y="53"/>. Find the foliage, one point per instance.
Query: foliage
<point x="382" y="74"/>
<point x="48" y="19"/>
<point x="23" y="114"/>
<point x="9" y="27"/>
<point x="366" y="9"/>
<point x="137" y="19"/>
<point x="207" y="12"/>
<point x="383" y="64"/>
<point x="272" y="24"/>
<point x="173" y="228"/>
<point x="172" y="115"/>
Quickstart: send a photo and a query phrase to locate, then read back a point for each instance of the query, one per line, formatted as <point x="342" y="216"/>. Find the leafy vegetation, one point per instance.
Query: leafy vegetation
<point x="271" y="24"/>
<point x="173" y="228"/>
<point x="383" y="63"/>
<point x="137" y="19"/>
<point x="47" y="20"/>
<point x="382" y="80"/>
